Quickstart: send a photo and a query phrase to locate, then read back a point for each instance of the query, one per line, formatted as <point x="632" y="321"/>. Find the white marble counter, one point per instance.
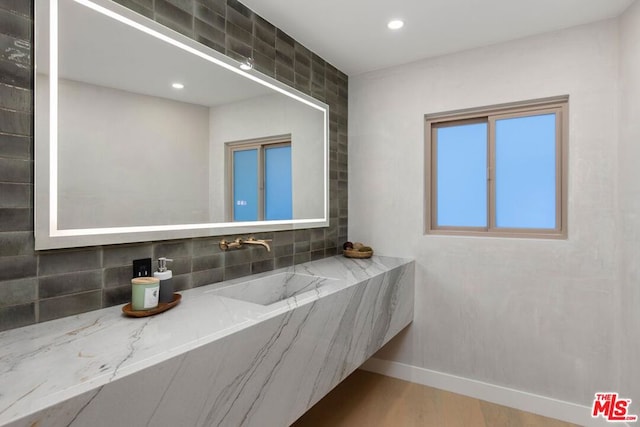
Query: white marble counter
<point x="198" y="361"/>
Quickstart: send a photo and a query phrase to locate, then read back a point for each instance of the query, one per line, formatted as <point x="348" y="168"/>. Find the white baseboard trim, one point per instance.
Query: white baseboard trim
<point x="541" y="405"/>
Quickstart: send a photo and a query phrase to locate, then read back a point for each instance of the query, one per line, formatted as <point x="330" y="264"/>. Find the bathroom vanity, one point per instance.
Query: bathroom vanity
<point x="256" y="351"/>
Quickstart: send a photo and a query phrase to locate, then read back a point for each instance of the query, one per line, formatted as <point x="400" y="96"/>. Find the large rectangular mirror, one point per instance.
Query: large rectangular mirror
<point x="144" y="134"/>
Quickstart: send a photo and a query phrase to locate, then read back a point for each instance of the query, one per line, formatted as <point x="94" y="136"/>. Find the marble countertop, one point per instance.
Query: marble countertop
<point x="47" y="363"/>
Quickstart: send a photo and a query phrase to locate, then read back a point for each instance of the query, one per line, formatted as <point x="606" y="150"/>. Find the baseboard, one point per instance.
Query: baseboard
<point x="541" y="405"/>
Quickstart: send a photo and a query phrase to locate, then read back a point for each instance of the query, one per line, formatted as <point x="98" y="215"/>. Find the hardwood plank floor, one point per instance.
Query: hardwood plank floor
<point x="366" y="399"/>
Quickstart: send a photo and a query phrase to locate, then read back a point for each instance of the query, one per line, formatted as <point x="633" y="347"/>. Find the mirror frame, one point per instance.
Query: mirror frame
<point x="47" y="233"/>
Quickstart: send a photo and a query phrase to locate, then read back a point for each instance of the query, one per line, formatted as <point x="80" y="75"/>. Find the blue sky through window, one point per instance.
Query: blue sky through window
<point x="462" y="175"/>
<point x="278" y="185"/>
<point x="245" y="185"/>
<point x="526" y="172"/>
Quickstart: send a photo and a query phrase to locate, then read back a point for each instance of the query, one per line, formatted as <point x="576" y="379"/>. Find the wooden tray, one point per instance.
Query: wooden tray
<point x="163" y="306"/>
<point x="352" y="253"/>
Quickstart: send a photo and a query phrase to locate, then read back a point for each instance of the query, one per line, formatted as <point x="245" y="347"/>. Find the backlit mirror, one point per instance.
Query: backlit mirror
<point x="144" y="134"/>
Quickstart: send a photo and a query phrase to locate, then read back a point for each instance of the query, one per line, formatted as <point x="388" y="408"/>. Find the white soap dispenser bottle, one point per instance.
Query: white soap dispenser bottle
<point x="166" y="280"/>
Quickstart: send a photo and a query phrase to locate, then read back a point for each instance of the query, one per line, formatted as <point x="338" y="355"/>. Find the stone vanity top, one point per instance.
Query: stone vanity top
<point x="44" y="364"/>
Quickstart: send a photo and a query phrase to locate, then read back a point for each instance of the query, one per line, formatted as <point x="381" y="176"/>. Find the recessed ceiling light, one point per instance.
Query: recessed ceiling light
<point x="177" y="86"/>
<point x="396" y="24"/>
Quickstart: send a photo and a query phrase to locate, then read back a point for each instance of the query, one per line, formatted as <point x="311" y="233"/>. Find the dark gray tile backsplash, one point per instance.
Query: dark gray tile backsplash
<point x="40" y="286"/>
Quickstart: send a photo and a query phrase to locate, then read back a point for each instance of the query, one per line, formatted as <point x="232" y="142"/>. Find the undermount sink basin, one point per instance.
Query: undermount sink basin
<point x="271" y="289"/>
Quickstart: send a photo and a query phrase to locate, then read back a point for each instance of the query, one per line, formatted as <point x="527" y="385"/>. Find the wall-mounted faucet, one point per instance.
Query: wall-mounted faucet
<point x="225" y="245"/>
<point x="238" y="242"/>
<point x="253" y="241"/>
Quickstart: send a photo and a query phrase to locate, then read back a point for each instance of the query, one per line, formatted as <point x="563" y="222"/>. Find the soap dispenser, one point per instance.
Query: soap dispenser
<point x="166" y="281"/>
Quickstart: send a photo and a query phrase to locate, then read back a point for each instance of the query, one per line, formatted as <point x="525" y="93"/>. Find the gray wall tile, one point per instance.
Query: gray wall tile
<point x="239" y="34"/>
<point x="264" y="31"/>
<point x="177" y="266"/>
<point x="235" y="5"/>
<point x="15" y="292"/>
<point x="235" y="271"/>
<point x="15" y="146"/>
<point x="208" y="32"/>
<point x="14" y="49"/>
<point x="283" y="250"/>
<point x="299" y="247"/>
<point x="284" y="73"/>
<point x="182" y="282"/>
<point x="15" y="170"/>
<point x="20" y="7"/>
<point x="316" y="255"/>
<point x="258" y="253"/>
<point x="236" y="49"/>
<point x="172" y="249"/>
<point x="17" y="316"/>
<point x="317" y="245"/>
<point x="114" y="277"/>
<point x="115" y="296"/>
<point x="174" y="14"/>
<point x="217" y="6"/>
<point x="300" y="258"/>
<point x="58" y="262"/>
<point x="143" y="7"/>
<point x="242" y="21"/>
<point x="17" y="267"/>
<point x="208" y="262"/>
<point x="262" y="266"/>
<point x="186" y="5"/>
<point x="15" y="98"/>
<point x="237" y="256"/>
<point x="15" y="122"/>
<point x="15" y="25"/>
<point x="206" y="246"/>
<point x="14" y="73"/>
<point x="16" y="243"/>
<point x="167" y="21"/>
<point x="284" y="261"/>
<point x="209" y="16"/>
<point x="282" y="238"/>
<point x="207" y="277"/>
<point x="70" y="283"/>
<point x="119" y="255"/>
<point x="265" y="64"/>
<point x="54" y="308"/>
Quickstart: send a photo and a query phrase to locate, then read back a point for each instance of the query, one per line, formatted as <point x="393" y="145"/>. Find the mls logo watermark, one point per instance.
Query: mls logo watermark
<point x="611" y="408"/>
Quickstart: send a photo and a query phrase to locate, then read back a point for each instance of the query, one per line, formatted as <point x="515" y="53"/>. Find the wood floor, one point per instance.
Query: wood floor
<point x="366" y="399"/>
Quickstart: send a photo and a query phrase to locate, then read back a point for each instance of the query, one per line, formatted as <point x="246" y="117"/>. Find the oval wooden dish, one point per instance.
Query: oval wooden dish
<point x="354" y="253"/>
<point x="163" y="306"/>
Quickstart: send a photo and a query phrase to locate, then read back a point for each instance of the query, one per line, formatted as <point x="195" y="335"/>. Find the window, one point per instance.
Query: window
<point x="260" y="184"/>
<point x="498" y="171"/>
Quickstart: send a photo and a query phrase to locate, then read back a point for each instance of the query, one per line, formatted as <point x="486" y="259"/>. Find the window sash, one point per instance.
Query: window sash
<point x="557" y="106"/>
<point x="260" y="145"/>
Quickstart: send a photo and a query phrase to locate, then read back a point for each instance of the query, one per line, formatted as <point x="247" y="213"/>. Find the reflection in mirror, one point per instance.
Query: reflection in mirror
<point x="144" y="134"/>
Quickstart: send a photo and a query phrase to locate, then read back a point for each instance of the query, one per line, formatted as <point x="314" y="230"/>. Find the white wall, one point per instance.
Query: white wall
<point x="130" y="159"/>
<point x="533" y="315"/>
<point x="629" y="179"/>
<point x="267" y="116"/>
